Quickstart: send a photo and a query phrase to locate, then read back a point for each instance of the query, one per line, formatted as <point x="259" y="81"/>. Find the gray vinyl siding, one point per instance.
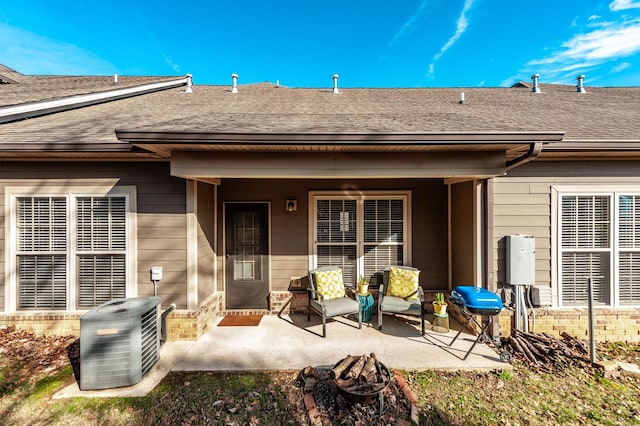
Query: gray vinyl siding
<point x="206" y="240"/>
<point x="522" y="203"/>
<point x="289" y="230"/>
<point x="462" y="234"/>
<point x="161" y="221"/>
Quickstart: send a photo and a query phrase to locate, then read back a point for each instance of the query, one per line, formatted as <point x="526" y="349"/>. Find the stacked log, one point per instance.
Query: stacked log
<point x="545" y="352"/>
<point x="361" y="375"/>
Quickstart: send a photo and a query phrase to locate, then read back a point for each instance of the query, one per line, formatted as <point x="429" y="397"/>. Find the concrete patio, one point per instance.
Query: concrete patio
<point x="292" y="343"/>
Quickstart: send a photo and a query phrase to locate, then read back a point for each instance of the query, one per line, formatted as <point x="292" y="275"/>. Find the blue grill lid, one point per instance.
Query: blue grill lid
<point x="476" y="298"/>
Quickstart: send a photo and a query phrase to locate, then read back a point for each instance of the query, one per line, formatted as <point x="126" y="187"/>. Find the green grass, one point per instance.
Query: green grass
<point x="518" y="396"/>
<point x="48" y="385"/>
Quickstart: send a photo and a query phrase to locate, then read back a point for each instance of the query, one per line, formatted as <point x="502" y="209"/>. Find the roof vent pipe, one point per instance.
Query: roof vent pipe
<point x="335" y="90"/>
<point x="580" y="88"/>
<point x="461" y="101"/>
<point x="234" y="78"/>
<point x="115" y="79"/>
<point x="188" y="89"/>
<point x="535" y="88"/>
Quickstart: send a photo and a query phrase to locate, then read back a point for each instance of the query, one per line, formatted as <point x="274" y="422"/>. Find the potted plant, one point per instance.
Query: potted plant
<point x="363" y="285"/>
<point x="439" y="305"/>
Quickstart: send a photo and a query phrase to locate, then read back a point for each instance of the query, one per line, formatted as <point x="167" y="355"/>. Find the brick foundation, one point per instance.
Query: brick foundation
<point x="45" y="324"/>
<point x="612" y="324"/>
<point x="181" y="325"/>
<point x="622" y="324"/>
<point x="189" y="325"/>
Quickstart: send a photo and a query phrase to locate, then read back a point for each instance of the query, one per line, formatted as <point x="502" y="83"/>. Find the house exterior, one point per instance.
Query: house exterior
<point x="237" y="191"/>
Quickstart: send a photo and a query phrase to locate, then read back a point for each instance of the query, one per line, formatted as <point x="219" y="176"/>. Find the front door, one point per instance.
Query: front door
<point x="247" y="251"/>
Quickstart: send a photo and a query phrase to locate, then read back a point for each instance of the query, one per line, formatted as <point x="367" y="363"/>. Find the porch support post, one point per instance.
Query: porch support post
<point x="192" y="244"/>
<point x="489" y="278"/>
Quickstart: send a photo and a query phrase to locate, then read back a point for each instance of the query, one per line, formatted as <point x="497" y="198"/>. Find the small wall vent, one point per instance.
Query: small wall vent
<point x="541" y="296"/>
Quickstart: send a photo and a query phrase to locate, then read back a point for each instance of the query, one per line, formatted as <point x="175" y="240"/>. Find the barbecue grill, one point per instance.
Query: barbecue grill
<point x="477" y="301"/>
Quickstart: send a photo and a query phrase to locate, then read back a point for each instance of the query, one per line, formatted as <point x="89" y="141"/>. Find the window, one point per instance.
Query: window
<point x="41" y="257"/>
<point x="600" y="239"/>
<point x="362" y="234"/>
<point x="629" y="249"/>
<point x="586" y="248"/>
<point x="71" y="251"/>
<point x="101" y="239"/>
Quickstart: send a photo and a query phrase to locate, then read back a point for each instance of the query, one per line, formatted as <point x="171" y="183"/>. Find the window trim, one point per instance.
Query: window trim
<point x="53" y="189"/>
<point x="359" y="196"/>
<point x="613" y="192"/>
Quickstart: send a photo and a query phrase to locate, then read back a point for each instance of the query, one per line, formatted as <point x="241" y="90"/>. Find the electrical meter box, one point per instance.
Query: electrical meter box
<point x="521" y="259"/>
<point x="156" y="273"/>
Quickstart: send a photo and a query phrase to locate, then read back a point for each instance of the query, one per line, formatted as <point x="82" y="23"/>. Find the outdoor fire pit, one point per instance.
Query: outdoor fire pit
<point x="361" y="379"/>
<point x="355" y="390"/>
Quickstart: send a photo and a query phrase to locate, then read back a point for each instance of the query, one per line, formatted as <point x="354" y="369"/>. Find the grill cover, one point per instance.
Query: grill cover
<point x="477" y="300"/>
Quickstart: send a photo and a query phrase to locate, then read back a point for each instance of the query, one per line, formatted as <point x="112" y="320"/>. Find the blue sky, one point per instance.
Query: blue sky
<point x="302" y="43"/>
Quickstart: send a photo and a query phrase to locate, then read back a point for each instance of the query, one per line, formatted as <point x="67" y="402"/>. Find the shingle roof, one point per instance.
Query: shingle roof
<point x="602" y="114"/>
<point x="20" y="88"/>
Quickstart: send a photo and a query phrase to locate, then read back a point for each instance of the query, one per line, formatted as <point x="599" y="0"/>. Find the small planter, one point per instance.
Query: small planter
<point x="439" y="308"/>
<point x="439" y="305"/>
<point x="363" y="286"/>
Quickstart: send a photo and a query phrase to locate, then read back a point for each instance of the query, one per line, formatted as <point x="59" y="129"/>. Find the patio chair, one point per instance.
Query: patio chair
<point x="403" y="295"/>
<point x="328" y="296"/>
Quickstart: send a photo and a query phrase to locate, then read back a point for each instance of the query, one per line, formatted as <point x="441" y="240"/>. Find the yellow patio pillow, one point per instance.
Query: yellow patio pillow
<point x="403" y="283"/>
<point x="330" y="284"/>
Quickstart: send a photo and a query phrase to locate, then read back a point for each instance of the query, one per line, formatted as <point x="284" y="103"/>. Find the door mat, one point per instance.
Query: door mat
<point x="240" y="320"/>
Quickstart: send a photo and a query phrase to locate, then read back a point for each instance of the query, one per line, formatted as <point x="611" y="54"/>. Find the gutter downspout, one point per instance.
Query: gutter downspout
<point x="489" y="281"/>
<point x="534" y="151"/>
<point x="34" y="109"/>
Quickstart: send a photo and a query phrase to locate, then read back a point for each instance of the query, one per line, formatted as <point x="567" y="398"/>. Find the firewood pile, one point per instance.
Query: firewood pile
<point x="361" y="375"/>
<point x="545" y="352"/>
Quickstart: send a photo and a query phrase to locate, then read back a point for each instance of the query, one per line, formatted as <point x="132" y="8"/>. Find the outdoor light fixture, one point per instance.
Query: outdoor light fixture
<point x="291" y="205"/>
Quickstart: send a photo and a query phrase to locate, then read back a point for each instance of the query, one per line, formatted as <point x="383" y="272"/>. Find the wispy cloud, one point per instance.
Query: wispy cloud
<point x="406" y="27"/>
<point x="30" y="53"/>
<point x="409" y="23"/>
<point x="616" y="5"/>
<point x="461" y="26"/>
<point x="174" y="66"/>
<point x="606" y="43"/>
<point x="621" y="67"/>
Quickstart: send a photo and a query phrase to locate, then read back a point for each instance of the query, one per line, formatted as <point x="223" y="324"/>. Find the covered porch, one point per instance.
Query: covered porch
<point x="442" y="182"/>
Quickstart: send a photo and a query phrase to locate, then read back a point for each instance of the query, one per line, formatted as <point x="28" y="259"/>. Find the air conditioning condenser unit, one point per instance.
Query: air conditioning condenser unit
<point x="119" y="342"/>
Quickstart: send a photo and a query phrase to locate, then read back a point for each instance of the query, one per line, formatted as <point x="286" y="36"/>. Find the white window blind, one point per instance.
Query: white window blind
<point x="363" y="235"/>
<point x="41" y="252"/>
<point x="383" y="235"/>
<point x="586" y="248"/>
<point x="629" y="249"/>
<point x="336" y="236"/>
<point x="44" y="226"/>
<point x="101" y="246"/>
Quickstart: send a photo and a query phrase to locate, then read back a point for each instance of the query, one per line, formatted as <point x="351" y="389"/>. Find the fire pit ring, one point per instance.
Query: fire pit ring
<point x="362" y="379"/>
